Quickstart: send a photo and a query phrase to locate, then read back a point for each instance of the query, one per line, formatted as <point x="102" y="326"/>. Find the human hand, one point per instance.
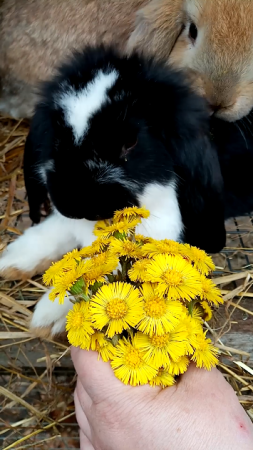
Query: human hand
<point x="200" y="412"/>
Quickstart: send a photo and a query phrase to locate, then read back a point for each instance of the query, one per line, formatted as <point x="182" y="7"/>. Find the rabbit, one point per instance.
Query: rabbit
<point x="210" y="39"/>
<point x="112" y="131"/>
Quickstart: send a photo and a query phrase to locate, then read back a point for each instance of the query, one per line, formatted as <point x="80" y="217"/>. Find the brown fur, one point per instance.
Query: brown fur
<point x="221" y="60"/>
<point x="36" y="35"/>
<point x="41" y="332"/>
<point x="12" y="273"/>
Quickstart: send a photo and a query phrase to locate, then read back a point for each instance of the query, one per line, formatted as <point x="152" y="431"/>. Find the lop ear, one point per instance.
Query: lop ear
<point x="157" y="28"/>
<point x="181" y="118"/>
<point x="200" y="195"/>
<point x="33" y="169"/>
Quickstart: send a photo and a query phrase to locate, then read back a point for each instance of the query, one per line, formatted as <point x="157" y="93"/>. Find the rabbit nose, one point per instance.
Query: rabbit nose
<point x="213" y="109"/>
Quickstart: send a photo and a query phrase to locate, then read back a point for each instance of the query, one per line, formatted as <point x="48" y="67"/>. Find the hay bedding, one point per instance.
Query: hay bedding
<point x="36" y="376"/>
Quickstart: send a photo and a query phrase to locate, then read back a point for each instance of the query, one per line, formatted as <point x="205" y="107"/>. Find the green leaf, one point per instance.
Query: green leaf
<point x="78" y="287"/>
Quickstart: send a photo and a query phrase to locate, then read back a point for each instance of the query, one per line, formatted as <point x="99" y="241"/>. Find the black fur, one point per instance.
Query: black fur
<point x="157" y="131"/>
<point x="234" y="142"/>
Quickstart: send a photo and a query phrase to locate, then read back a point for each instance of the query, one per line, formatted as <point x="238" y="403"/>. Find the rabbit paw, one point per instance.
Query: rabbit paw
<point x="18" y="263"/>
<point x="49" y="318"/>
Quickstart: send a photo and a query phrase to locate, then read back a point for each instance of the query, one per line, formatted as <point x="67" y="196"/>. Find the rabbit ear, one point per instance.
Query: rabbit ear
<point x="181" y="118"/>
<point x="34" y="171"/>
<point x="157" y="28"/>
<point x="200" y="195"/>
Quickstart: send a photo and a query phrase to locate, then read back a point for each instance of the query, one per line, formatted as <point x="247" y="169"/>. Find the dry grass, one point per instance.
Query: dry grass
<point x="37" y="376"/>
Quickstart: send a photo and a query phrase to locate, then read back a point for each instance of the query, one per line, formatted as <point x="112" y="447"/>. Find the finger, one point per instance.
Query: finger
<point x="81" y="414"/>
<point x="85" y="442"/>
<point x="83" y="396"/>
<point x="96" y="376"/>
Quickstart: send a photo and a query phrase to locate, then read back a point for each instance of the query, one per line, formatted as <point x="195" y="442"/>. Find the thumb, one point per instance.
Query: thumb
<point x="96" y="376"/>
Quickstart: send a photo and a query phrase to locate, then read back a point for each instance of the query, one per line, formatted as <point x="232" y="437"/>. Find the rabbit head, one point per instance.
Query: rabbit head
<point x="212" y="40"/>
<point x="109" y="130"/>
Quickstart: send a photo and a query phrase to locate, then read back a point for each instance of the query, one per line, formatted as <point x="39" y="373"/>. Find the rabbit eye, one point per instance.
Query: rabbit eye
<point x="193" y="32"/>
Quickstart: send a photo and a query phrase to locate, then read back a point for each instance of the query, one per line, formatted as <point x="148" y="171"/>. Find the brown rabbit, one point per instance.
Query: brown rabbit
<point x="212" y="39"/>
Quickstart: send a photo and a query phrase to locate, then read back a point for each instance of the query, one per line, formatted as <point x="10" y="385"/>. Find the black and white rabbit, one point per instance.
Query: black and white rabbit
<point x="113" y="131"/>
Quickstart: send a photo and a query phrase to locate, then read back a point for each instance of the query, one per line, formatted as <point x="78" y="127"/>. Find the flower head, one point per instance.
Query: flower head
<point x="162" y="379"/>
<point x="75" y="254"/>
<point x="122" y="227"/>
<point x="79" y="326"/>
<point x="117" y="305"/>
<point x="210" y="292"/>
<point x="98" y="342"/>
<point x="207" y="310"/>
<point x="98" y="246"/>
<point x="178" y="367"/>
<point x="63" y="284"/>
<point x="165" y="247"/>
<point x="205" y="354"/>
<point x="125" y="248"/>
<point x="202" y="262"/>
<point x="193" y="326"/>
<point x="138" y="270"/>
<point x="131" y="213"/>
<point x="174" y="276"/>
<point x="98" y="267"/>
<point x="143" y="239"/>
<point x="159" y="350"/>
<point x="129" y="366"/>
<point x="56" y="269"/>
<point x="160" y="314"/>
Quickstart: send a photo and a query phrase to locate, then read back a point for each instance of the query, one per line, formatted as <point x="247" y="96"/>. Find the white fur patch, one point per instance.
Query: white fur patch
<point x="43" y="169"/>
<point x="165" y="221"/>
<point x="47" y="241"/>
<point x="79" y="106"/>
<point x="108" y="173"/>
<point x="47" y="312"/>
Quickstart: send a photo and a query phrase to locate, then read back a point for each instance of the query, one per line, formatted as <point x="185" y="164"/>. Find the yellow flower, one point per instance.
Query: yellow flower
<point x="138" y="270"/>
<point x="165" y="246"/>
<point x="98" y="342"/>
<point x="107" y="260"/>
<point x="125" y="248"/>
<point x="117" y="305"/>
<point x="175" y="277"/>
<point x="98" y="246"/>
<point x="163" y="379"/>
<point x="207" y="311"/>
<point x="143" y="239"/>
<point x="62" y="285"/>
<point x="205" y="354"/>
<point x="131" y="213"/>
<point x="196" y="318"/>
<point x="178" y="367"/>
<point x="122" y="227"/>
<point x="210" y="292"/>
<point x="193" y="326"/>
<point x="159" y="350"/>
<point x="56" y="269"/>
<point x="98" y="267"/>
<point x="75" y="254"/>
<point x="161" y="314"/>
<point x="64" y="281"/>
<point x="79" y="326"/>
<point x="129" y="366"/>
<point x="202" y="262"/>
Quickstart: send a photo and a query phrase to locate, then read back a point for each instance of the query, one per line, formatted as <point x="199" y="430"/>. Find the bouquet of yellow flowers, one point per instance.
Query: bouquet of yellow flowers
<point x="139" y="302"/>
